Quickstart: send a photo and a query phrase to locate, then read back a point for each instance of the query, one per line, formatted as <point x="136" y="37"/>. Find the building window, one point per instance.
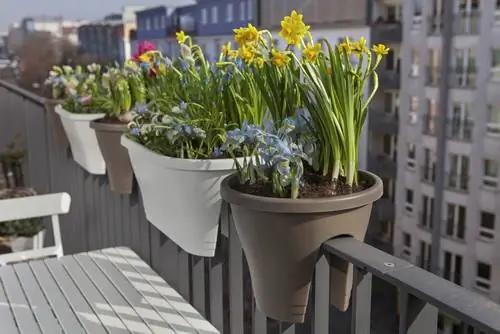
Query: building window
<point x="487" y="227"/>
<point x="495" y="64"/>
<point x="427" y="213"/>
<point x="414" y="105"/>
<point x="490" y="173"/>
<point x="215" y="14"/>
<point x="148" y="24"/>
<point x="412" y="153"/>
<point x="493" y="125"/>
<point x="409" y="201"/>
<point x="204" y="16"/>
<point x="452" y="270"/>
<point x="483" y="276"/>
<point x="424" y="259"/>
<point x="242" y="11"/>
<point x="249" y="9"/>
<point x="229" y="12"/>
<point x="156" y="23"/>
<point x="455" y="221"/>
<point x="407" y="244"/>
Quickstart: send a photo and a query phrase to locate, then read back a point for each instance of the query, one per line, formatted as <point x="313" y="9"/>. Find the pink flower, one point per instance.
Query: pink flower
<point x="142" y="48"/>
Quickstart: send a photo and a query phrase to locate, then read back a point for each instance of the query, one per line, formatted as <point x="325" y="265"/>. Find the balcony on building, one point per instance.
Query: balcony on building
<point x="386" y="31"/>
<point x="390" y="295"/>
<point x="456" y="129"/>
<point x="382" y="164"/>
<point x="382" y="119"/>
<point x="389" y="77"/>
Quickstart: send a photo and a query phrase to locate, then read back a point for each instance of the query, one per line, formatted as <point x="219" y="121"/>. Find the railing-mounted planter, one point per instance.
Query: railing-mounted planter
<point x="83" y="140"/>
<point x="282" y="237"/>
<point x="25" y="234"/>
<point x="117" y="160"/>
<point x="181" y="196"/>
<point x="57" y="128"/>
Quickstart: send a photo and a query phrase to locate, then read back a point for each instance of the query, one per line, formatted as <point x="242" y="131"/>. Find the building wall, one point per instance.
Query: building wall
<point x="151" y="23"/>
<point x="316" y="12"/>
<point x="220" y="17"/>
<point x="483" y="144"/>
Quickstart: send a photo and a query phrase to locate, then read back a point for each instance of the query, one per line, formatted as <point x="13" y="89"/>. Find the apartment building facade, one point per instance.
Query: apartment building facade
<point x="468" y="222"/>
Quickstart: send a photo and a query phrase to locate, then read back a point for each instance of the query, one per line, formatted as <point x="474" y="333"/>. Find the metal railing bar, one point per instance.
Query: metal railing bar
<point x="22" y="92"/>
<point x="448" y="297"/>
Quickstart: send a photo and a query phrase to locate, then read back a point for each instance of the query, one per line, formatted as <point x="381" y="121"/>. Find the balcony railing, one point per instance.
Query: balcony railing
<point x="389" y="78"/>
<point x="456" y="129"/>
<point x="382" y="121"/>
<point x="386" y="32"/>
<point x="383" y="165"/>
<point x="459" y="77"/>
<point x="219" y="288"/>
<point x="463" y="24"/>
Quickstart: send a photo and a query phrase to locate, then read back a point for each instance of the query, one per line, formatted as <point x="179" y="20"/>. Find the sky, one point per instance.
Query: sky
<point x="14" y="10"/>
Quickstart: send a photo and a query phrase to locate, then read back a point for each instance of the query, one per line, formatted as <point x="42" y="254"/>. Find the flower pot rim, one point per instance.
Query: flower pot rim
<point x="194" y="165"/>
<point x="106" y="126"/>
<point x="76" y="117"/>
<point x="302" y="205"/>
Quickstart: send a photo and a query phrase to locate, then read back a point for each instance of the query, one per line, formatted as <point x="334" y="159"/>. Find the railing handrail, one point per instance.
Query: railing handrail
<point x="23" y="92"/>
<point x="450" y="298"/>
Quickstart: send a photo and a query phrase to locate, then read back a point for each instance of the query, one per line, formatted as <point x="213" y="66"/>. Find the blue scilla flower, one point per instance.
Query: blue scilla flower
<point x="239" y="63"/>
<point x="168" y="62"/>
<point x="218" y="152"/>
<point x="141" y="108"/>
<point x="283" y="166"/>
<point x="184" y="65"/>
<point x="183" y="105"/>
<point x="136" y="132"/>
<point x="145" y="66"/>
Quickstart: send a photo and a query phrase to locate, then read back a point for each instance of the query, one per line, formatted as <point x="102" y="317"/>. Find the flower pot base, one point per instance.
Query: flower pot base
<point x="281" y="239"/>
<point x="118" y="165"/>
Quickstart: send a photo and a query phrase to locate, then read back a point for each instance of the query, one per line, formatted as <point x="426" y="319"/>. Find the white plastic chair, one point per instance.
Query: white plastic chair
<point x="32" y="207"/>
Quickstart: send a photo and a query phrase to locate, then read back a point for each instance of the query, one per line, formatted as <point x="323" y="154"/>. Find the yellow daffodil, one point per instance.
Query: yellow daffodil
<point x="145" y="58"/>
<point x="259" y="62"/>
<point x="360" y="46"/>
<point x="233" y="54"/>
<point x="347" y="46"/>
<point x="279" y="58"/>
<point x="312" y="51"/>
<point x="293" y="29"/>
<point x="380" y="49"/>
<point x="181" y="37"/>
<point x="246" y="53"/>
<point x="226" y="49"/>
<point x="248" y="35"/>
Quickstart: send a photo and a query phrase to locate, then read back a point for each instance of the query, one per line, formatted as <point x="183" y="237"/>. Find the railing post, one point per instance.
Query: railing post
<point x="416" y="316"/>
<point x="361" y="302"/>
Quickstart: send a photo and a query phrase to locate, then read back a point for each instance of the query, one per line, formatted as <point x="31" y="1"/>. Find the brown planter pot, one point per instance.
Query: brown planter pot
<point x="281" y="239"/>
<point x="55" y="122"/>
<point x="118" y="165"/>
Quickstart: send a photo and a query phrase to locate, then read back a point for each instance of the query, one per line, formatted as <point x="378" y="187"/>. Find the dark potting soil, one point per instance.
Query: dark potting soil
<point x="315" y="186"/>
<point x="110" y="121"/>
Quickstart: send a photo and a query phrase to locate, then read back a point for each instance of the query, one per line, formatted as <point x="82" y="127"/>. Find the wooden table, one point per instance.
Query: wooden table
<point x="105" y="291"/>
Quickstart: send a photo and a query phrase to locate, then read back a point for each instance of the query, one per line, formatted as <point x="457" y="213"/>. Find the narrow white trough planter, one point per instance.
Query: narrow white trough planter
<point x="181" y="196"/>
<point x="83" y="140"/>
<point x="19" y="244"/>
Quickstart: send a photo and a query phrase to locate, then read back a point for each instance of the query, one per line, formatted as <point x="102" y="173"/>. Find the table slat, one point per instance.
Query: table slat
<point x="41" y="309"/>
<point x="21" y="309"/>
<point x="88" y="318"/>
<point x="6" y="316"/>
<point x="60" y="306"/>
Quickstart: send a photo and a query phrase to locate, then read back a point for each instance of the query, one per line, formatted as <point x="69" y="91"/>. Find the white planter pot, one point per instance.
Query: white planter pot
<point x="82" y="139"/>
<point x="19" y="244"/>
<point x="181" y="196"/>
